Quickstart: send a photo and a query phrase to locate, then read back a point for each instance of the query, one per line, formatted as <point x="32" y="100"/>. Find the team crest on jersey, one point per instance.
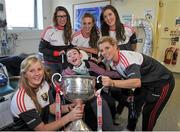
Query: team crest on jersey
<point x="44" y="96"/>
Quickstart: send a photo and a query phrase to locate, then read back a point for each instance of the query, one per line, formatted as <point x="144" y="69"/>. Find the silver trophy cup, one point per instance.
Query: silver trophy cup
<point x="78" y="88"/>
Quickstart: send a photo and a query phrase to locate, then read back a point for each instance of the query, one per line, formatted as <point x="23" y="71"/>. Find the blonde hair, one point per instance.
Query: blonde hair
<point x="111" y="41"/>
<point x="23" y="82"/>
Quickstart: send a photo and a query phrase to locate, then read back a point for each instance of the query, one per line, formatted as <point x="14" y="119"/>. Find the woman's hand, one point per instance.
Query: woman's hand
<point x="61" y="52"/>
<point x="106" y="81"/>
<point x="76" y="113"/>
<point x="67" y="108"/>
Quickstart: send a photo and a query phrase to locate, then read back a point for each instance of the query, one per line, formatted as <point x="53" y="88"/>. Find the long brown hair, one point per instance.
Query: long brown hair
<point x="67" y="27"/>
<point x="94" y="36"/>
<point x="23" y="82"/>
<point x="120" y="31"/>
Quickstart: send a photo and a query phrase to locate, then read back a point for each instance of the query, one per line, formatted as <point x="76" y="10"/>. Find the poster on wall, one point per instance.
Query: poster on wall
<point x="128" y="19"/>
<point x="94" y="8"/>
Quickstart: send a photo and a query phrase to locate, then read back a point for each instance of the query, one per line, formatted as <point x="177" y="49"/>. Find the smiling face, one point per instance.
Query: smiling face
<point x="107" y="50"/>
<point x="34" y="74"/>
<point x="74" y="57"/>
<point x="61" y="18"/>
<point x="87" y="24"/>
<point x="109" y="18"/>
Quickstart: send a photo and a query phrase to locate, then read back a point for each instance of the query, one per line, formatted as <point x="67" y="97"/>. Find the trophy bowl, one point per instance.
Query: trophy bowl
<point x="78" y="87"/>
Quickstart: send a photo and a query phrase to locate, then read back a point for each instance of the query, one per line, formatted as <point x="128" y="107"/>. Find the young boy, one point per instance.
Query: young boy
<point x="85" y="67"/>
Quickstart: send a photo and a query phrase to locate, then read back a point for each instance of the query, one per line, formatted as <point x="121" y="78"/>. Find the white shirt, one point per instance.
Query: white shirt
<point x="127" y="58"/>
<point x="128" y="33"/>
<point x="21" y="102"/>
<point x="54" y="36"/>
<point x="79" y="40"/>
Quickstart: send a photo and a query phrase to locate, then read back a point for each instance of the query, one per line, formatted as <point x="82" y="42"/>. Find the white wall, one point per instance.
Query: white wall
<point x="29" y="41"/>
<point x="135" y="7"/>
<point x="124" y="7"/>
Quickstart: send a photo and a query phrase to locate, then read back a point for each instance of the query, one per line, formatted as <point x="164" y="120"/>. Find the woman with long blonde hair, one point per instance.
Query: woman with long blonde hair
<point x="32" y="103"/>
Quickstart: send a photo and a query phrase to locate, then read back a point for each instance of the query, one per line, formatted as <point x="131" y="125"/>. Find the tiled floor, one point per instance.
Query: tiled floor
<point x="169" y="119"/>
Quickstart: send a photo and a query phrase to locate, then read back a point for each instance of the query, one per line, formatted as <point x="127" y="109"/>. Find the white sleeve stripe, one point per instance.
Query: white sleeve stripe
<point x="20" y="100"/>
<point x="123" y="62"/>
<point x="23" y="103"/>
<point x="124" y="59"/>
<point x="76" y="34"/>
<point x="131" y="74"/>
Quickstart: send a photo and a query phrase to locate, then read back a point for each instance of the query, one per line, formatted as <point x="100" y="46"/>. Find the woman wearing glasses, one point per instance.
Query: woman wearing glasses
<point x="55" y="40"/>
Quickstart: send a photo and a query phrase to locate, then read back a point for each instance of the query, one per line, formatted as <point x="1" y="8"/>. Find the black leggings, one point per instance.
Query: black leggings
<point x="154" y="105"/>
<point x="121" y="96"/>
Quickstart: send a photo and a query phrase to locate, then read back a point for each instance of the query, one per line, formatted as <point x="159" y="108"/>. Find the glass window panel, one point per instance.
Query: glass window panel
<point x="20" y="13"/>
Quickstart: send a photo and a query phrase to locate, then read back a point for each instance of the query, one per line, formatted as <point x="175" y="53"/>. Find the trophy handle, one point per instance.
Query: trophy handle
<point x="56" y="74"/>
<point x="97" y="79"/>
<point x="103" y="87"/>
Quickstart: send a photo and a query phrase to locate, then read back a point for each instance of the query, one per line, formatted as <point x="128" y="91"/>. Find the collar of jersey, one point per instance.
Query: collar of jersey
<point x="115" y="63"/>
<point x="60" y="28"/>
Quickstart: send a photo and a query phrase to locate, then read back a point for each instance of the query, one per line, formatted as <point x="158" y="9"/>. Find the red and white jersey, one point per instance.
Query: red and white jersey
<point x="21" y="102"/>
<point x="53" y="35"/>
<point x="129" y="31"/>
<point x="136" y="65"/>
<point x="79" y="40"/>
<point x="126" y="59"/>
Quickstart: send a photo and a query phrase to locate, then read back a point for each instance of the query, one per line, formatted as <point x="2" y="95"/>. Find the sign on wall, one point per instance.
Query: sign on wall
<point x="128" y="19"/>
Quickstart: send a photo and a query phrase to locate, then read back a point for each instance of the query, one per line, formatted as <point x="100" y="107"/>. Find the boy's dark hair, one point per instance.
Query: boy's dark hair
<point x="71" y="49"/>
<point x="70" y="65"/>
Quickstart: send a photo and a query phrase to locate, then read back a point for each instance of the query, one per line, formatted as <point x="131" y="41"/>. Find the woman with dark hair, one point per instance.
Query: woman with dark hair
<point x="86" y="39"/>
<point x="111" y="25"/>
<point x="55" y="40"/>
<point x="125" y="35"/>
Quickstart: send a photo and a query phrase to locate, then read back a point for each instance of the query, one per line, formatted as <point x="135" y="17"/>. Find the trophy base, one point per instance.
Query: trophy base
<point x="77" y="125"/>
